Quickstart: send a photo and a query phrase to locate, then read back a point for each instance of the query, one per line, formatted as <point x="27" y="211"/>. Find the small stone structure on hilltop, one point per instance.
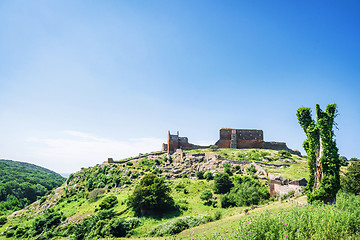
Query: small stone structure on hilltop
<point x="229" y="138"/>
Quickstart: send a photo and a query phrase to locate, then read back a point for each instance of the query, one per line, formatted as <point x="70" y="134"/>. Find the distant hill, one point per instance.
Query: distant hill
<point x="22" y="183"/>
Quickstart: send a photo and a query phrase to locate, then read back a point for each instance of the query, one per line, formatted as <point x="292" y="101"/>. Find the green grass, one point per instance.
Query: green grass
<point x="295" y="171"/>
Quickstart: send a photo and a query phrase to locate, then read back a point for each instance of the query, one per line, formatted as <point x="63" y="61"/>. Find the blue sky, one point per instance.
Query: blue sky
<point x="81" y="81"/>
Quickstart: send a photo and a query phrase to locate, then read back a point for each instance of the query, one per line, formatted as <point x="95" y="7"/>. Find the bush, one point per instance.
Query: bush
<point x="179" y="224"/>
<point x="46" y="221"/>
<point x="222" y="183"/>
<point x="3" y="220"/>
<point x="214" y="147"/>
<point x="217" y="215"/>
<point x="208" y="175"/>
<point x="119" y="227"/>
<point x="227" y="201"/>
<point x="288" y="195"/>
<point x="101" y="185"/>
<point x="227" y="168"/>
<point x="206" y="195"/>
<point x="251" y="170"/>
<point x="108" y="202"/>
<point x="129" y="164"/>
<point x="343" y="161"/>
<point x="350" y="182"/>
<point x="284" y="154"/>
<point x="152" y="194"/>
<point x="249" y="193"/>
<point x="20" y="231"/>
<point x="200" y="175"/>
<point x="94" y="194"/>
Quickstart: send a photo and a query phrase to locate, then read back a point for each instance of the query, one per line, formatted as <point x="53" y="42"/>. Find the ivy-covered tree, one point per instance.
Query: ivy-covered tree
<point x="323" y="157"/>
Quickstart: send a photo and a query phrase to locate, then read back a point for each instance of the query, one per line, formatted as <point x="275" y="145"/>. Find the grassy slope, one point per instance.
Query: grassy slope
<point x="75" y="208"/>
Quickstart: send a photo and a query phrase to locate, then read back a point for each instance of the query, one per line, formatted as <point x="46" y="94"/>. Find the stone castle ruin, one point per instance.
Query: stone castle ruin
<point x="229" y="138"/>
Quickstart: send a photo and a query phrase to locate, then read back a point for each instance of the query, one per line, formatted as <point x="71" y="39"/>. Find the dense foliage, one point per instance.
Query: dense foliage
<point x="246" y="191"/>
<point x="206" y="195"/>
<point x="350" y="182"/>
<point x="23" y="183"/>
<point x="152" y="195"/>
<point x="222" y="183"/>
<point x="108" y="202"/>
<point x="323" y="157"/>
<point x="104" y="224"/>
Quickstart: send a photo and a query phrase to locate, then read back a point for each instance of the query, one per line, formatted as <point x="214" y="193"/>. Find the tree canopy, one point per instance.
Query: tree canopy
<point x="22" y="183"/>
<point x="152" y="196"/>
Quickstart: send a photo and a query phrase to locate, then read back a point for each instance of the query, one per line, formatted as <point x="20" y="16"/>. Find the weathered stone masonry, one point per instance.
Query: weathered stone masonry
<point x="229" y="138"/>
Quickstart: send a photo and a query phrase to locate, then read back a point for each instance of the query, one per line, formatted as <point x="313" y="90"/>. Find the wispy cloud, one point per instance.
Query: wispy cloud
<point x="77" y="149"/>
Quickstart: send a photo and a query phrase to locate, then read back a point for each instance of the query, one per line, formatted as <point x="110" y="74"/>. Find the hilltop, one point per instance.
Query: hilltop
<point x="77" y="203"/>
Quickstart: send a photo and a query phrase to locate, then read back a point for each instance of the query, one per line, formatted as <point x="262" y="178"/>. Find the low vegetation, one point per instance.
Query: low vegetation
<point x="313" y="221"/>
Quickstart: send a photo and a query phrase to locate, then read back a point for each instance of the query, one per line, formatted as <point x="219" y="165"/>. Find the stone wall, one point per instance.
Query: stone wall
<point x="229" y="138"/>
<point x="280" y="186"/>
<point x="177" y="142"/>
<point x="280" y="146"/>
<point x="240" y="138"/>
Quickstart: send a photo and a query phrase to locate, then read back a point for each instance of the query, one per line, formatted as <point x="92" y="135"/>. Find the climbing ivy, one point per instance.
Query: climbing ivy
<point x="323" y="157"/>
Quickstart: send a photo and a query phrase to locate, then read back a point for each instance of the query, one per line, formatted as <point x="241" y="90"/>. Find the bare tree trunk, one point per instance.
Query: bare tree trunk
<point x="318" y="167"/>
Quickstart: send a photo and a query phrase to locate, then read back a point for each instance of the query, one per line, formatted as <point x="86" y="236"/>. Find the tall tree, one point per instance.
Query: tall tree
<point x="323" y="157"/>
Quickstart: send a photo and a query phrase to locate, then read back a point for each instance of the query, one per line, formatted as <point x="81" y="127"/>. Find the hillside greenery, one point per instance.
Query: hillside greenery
<point x="98" y="202"/>
<point x="23" y="183"/>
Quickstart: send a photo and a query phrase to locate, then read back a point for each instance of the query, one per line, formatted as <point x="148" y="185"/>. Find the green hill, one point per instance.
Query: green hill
<point x="23" y="183"/>
<point x="95" y="202"/>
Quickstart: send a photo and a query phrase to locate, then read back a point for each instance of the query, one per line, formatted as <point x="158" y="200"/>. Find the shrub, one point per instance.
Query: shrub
<point x="152" y="194"/>
<point x="227" y="168"/>
<point x="206" y="195"/>
<point x="287" y="195"/>
<point x="284" y="154"/>
<point x="179" y="224"/>
<point x="350" y="182"/>
<point x="129" y="164"/>
<point x="119" y="227"/>
<point x="222" y="183"/>
<point x="180" y="187"/>
<point x="251" y="170"/>
<point x="101" y="185"/>
<point x="108" y="202"/>
<point x="200" y="174"/>
<point x="46" y="221"/>
<point x="217" y="215"/>
<point x="343" y="161"/>
<point x="3" y="220"/>
<point x="214" y="147"/>
<point x="20" y="231"/>
<point x="227" y="201"/>
<point x="9" y="233"/>
<point x="208" y="175"/>
<point x="94" y="194"/>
